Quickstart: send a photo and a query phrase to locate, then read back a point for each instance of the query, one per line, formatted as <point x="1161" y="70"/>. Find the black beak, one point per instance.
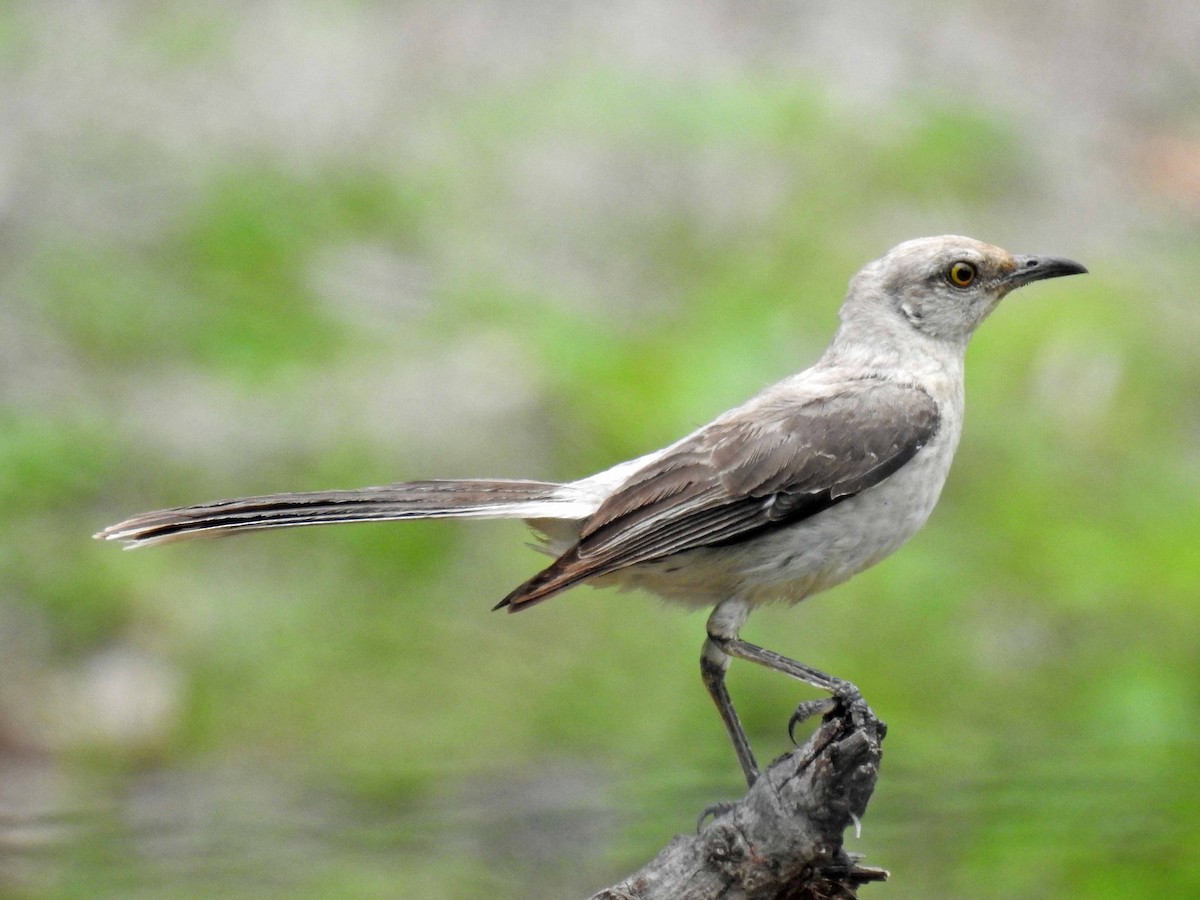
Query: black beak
<point x="1037" y="268"/>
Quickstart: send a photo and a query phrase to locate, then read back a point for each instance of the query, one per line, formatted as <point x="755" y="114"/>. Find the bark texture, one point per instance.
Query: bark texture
<point x="784" y="838"/>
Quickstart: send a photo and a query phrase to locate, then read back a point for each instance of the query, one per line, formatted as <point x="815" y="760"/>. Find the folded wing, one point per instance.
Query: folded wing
<point x="745" y="474"/>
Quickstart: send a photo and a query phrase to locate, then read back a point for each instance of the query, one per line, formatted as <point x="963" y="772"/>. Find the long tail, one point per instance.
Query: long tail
<point x="470" y="498"/>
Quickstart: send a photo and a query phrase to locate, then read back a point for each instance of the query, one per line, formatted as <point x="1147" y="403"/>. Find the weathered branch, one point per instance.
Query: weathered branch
<point x="784" y="838"/>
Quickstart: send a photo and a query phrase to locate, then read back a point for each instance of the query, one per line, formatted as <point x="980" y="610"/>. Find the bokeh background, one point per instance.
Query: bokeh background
<point x="250" y="247"/>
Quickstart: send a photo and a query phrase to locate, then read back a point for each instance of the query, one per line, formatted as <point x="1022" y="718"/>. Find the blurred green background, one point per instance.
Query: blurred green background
<point x="259" y="247"/>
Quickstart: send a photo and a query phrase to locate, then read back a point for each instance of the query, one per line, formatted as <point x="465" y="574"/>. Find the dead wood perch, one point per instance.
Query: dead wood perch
<point x="784" y="838"/>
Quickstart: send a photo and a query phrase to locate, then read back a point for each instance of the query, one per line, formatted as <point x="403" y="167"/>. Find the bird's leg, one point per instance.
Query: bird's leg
<point x="735" y="646"/>
<point x="713" y="663"/>
<point x="723" y="625"/>
<point x="846" y="695"/>
<point x="723" y="642"/>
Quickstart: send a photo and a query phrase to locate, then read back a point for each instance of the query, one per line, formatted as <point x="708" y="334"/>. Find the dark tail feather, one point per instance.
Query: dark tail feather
<point x="556" y="577"/>
<point x="469" y="498"/>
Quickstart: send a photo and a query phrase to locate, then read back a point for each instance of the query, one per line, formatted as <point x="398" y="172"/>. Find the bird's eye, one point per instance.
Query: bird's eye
<point x="961" y="274"/>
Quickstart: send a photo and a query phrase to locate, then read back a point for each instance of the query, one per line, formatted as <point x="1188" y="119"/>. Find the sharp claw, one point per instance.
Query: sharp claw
<point x="807" y="710"/>
<point x="845" y="698"/>
<point x="716" y="810"/>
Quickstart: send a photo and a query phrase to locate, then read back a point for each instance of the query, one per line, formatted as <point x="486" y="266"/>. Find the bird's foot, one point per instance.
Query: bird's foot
<point x="845" y="700"/>
<point x="715" y="810"/>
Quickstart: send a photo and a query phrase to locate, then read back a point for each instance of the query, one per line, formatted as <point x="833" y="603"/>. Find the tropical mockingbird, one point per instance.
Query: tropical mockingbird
<point x="804" y="485"/>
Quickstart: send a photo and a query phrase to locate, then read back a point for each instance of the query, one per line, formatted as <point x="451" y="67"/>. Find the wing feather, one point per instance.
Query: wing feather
<point x="729" y="482"/>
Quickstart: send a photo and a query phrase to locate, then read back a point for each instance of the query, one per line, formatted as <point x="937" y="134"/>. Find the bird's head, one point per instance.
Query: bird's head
<point x="944" y="287"/>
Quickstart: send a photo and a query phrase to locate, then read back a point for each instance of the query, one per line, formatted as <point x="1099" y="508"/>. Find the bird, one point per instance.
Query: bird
<point x="807" y="483"/>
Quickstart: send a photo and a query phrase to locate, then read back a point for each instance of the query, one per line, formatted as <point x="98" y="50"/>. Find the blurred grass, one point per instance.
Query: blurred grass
<point x="224" y="287"/>
<point x="1033" y="650"/>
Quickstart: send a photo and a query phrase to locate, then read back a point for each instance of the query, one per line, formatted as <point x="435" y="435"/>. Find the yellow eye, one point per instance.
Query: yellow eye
<point x="961" y="274"/>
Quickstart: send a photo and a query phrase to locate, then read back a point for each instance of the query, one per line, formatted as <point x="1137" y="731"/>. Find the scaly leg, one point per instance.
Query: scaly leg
<point x="723" y="642"/>
<point x="713" y="663"/>
<point x="745" y="650"/>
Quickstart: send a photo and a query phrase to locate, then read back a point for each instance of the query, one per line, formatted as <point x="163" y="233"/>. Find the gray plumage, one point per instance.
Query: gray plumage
<point x="809" y="482"/>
